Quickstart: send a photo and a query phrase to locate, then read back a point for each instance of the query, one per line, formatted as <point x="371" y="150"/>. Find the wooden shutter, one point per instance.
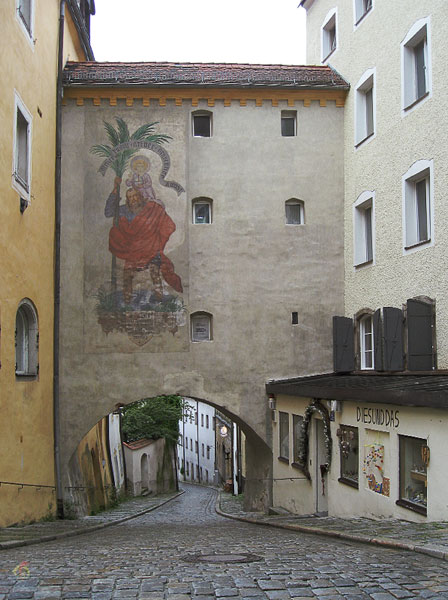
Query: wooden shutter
<point x="420" y="336"/>
<point x="393" y="339"/>
<point x="343" y="345"/>
<point x="377" y="341"/>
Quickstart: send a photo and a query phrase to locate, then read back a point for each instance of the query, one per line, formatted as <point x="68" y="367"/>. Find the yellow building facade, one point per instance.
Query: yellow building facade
<point x="28" y="73"/>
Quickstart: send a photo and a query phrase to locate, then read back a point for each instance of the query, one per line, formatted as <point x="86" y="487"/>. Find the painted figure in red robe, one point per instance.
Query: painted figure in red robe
<point x="139" y="239"/>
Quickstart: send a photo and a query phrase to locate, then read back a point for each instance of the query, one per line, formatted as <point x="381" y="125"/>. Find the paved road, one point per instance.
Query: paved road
<point x="157" y="556"/>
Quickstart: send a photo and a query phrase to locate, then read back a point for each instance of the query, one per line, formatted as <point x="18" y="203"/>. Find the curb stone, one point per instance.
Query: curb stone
<point x="352" y="537"/>
<point x="82" y="530"/>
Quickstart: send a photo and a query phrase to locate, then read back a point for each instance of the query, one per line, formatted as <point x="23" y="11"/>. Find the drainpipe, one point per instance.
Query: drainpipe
<point x="183" y="441"/>
<point x="57" y="269"/>
<point x="197" y="435"/>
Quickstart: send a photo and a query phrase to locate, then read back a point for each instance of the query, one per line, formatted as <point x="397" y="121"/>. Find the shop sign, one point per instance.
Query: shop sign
<point x="378" y="416"/>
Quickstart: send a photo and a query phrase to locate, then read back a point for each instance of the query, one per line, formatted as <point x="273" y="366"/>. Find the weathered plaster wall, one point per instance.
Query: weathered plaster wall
<point x="399" y="142"/>
<point x="248" y="269"/>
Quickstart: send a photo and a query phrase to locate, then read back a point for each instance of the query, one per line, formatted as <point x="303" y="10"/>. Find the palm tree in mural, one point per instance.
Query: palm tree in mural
<point x="120" y="161"/>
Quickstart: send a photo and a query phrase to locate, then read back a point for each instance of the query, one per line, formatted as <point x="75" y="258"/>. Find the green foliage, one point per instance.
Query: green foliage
<point x="120" y="135"/>
<point x="153" y="418"/>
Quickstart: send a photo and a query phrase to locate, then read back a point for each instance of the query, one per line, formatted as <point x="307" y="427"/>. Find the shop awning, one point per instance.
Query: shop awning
<point x="428" y="390"/>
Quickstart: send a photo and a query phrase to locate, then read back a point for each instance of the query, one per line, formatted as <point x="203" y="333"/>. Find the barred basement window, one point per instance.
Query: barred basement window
<point x="294" y="212"/>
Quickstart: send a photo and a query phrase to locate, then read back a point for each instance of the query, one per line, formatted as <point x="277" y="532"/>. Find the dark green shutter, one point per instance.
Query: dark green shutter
<point x="393" y="339"/>
<point x="420" y="336"/>
<point x="343" y="345"/>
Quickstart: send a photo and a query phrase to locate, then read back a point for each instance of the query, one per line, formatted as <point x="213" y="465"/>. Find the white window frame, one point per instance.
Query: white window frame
<point x="366" y="84"/>
<point x="328" y="45"/>
<point x="301" y="205"/>
<point x="410" y="99"/>
<point x="23" y="190"/>
<point x="201" y="202"/>
<point x="363" y="351"/>
<point x="289" y="115"/>
<point x="204" y="320"/>
<point x="202" y="113"/>
<point x="26" y="340"/>
<point x="29" y="33"/>
<point x="412" y="238"/>
<point x="365" y="201"/>
<point x="361" y="8"/>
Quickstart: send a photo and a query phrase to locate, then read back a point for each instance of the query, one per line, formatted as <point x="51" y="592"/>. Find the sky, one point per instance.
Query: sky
<point x="232" y="31"/>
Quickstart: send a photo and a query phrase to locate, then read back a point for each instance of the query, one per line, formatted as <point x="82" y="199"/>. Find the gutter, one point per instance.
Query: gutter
<point x="57" y="269"/>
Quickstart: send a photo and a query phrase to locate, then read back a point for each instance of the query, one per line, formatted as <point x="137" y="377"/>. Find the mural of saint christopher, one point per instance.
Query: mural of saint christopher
<point x="140" y="238"/>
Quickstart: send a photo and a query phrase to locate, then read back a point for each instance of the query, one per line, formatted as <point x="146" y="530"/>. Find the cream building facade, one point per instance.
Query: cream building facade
<point x="388" y="396"/>
<point x="28" y="72"/>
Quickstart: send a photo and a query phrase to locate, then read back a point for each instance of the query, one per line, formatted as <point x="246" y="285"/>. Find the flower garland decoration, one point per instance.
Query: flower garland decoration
<point x="315" y="406"/>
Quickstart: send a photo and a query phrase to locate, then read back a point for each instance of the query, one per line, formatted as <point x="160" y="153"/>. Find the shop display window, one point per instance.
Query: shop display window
<point x="297" y="422"/>
<point x="414" y="458"/>
<point x="349" y="453"/>
<point x="284" y="436"/>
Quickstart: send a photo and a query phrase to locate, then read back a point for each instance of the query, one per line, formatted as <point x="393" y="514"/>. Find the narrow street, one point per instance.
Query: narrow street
<point x="159" y="555"/>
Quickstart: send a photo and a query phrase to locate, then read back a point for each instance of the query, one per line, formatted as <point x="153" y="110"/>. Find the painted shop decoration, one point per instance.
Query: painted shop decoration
<point x="142" y="296"/>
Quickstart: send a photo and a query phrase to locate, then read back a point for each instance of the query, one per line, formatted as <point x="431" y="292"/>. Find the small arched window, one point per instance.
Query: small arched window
<point x="202" y="123"/>
<point x="27" y="339"/>
<point x="294" y="212"/>
<point x="202" y="211"/>
<point x="201" y="327"/>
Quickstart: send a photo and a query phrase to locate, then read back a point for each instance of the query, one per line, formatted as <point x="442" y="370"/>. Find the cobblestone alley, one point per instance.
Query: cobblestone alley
<point x="184" y="550"/>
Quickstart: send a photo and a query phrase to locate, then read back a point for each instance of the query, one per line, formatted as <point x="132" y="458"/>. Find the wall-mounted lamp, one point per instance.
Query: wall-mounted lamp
<point x="272" y="401"/>
<point x="223" y="431"/>
<point x="335" y="406"/>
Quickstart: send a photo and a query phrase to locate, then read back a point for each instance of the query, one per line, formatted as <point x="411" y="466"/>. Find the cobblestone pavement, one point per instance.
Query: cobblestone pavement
<point x="184" y="550"/>
<point x="426" y="538"/>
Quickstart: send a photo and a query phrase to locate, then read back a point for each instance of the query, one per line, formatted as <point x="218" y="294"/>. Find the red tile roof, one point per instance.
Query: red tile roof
<point x="155" y="74"/>
<point x="138" y="444"/>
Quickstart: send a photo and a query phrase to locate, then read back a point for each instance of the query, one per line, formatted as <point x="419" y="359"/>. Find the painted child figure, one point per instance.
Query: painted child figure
<point x="140" y="179"/>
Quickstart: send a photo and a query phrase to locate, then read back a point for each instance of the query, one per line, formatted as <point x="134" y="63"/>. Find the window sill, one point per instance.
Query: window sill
<point x="411" y="506"/>
<point x="283" y="459"/>
<point x="349" y="482"/>
<point x="364" y="264"/>
<point x="364" y="140"/>
<point x="416" y="245"/>
<point x="416" y="101"/>
<point x="26" y="376"/>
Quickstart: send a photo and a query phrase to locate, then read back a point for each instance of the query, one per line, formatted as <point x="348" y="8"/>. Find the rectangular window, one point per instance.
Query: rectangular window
<point x="202" y="125"/>
<point x="349" y="453"/>
<point x="414" y="456"/>
<point x="297" y="422"/>
<point x="329" y="36"/>
<point x="284" y="435"/>
<point x="363" y="229"/>
<point x="200" y="328"/>
<point x="196" y="447"/>
<point x="207" y="421"/>
<point x="288" y="123"/>
<point x="365" y="108"/>
<point x="416" y="73"/>
<point x="208" y="452"/>
<point x="362" y="7"/>
<point x="25" y="13"/>
<point x="22" y="150"/>
<point x="203" y="450"/>
<point x="366" y="342"/>
<point x="202" y="212"/>
<point x="191" y="444"/>
<point x="417" y="205"/>
<point x="294" y="318"/>
<point x="294" y="212"/>
<point x="202" y="419"/>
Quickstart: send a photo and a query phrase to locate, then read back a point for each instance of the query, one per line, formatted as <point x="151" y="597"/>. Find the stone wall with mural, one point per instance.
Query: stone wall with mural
<point x="135" y="266"/>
